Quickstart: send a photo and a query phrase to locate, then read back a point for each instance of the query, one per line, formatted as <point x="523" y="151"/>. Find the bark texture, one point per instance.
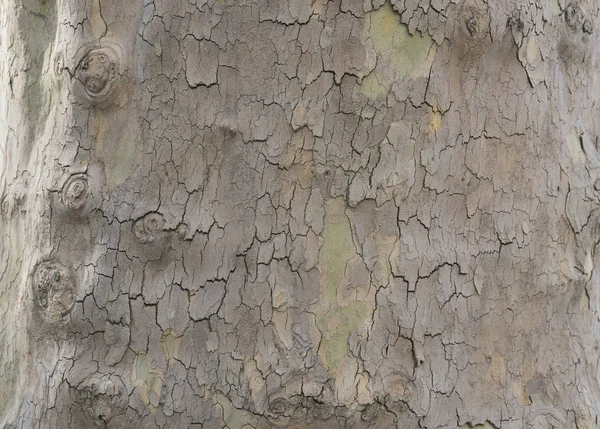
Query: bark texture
<point x="299" y="213"/>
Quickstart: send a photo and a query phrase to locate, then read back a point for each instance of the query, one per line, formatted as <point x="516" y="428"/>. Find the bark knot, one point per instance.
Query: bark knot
<point x="54" y="288"/>
<point x="75" y="192"/>
<point x="98" y="73"/>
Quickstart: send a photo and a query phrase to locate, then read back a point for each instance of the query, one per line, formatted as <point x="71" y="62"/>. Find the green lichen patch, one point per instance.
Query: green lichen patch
<point x="336" y="322"/>
<point x="233" y="417"/>
<point x="116" y="145"/>
<point x="399" y="54"/>
<point x="171" y="342"/>
<point x="148" y="379"/>
<point x="38" y="26"/>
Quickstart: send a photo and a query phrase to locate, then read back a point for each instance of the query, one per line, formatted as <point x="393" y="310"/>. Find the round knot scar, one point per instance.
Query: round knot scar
<point x="98" y="72"/>
<point x="75" y="192"/>
<point x="53" y="288"/>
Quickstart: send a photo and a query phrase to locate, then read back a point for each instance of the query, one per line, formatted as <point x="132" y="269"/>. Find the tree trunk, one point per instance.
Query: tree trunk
<point x="297" y="213"/>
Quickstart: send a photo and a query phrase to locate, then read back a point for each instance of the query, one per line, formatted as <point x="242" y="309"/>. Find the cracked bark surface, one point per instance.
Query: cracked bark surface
<point x="293" y="213"/>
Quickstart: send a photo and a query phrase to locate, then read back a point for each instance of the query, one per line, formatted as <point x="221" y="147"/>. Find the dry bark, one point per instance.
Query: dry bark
<point x="297" y="213"/>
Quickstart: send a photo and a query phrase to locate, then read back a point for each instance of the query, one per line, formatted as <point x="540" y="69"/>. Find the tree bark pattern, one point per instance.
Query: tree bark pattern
<point x="293" y="213"/>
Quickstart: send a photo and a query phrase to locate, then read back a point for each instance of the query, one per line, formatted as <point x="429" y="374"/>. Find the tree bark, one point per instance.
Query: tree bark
<point x="297" y="213"/>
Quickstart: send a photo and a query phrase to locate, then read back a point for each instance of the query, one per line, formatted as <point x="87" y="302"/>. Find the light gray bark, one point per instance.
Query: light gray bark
<point x="293" y="213"/>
